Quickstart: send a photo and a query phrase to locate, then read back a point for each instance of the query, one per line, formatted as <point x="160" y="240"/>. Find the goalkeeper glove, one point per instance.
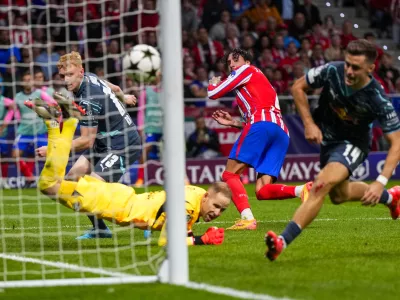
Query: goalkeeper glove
<point x="213" y="236"/>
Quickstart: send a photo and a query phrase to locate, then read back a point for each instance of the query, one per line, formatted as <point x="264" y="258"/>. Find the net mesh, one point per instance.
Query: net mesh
<point x="38" y="234"/>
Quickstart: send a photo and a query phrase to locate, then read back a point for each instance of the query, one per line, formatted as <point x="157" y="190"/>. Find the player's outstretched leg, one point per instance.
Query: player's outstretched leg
<point x="275" y="245"/>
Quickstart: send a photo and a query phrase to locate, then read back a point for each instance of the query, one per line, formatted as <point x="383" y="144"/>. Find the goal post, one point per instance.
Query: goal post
<point x="37" y="235"/>
<point x="174" y="163"/>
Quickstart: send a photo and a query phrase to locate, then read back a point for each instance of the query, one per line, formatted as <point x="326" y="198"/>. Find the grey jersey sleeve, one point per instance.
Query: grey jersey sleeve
<point x="317" y="77"/>
<point x="386" y="115"/>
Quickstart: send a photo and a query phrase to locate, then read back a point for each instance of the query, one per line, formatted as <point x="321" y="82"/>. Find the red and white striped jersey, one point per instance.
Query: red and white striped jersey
<point x="257" y="100"/>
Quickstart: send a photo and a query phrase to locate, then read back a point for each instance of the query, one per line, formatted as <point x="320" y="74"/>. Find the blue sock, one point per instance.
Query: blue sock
<point x="291" y="231"/>
<point x="97" y="223"/>
<point x="384" y="197"/>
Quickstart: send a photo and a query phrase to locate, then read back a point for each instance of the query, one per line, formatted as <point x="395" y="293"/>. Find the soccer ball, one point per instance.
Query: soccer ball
<point x="141" y="63"/>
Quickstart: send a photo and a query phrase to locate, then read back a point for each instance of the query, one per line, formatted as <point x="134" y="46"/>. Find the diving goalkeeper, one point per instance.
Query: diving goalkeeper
<point x="117" y="202"/>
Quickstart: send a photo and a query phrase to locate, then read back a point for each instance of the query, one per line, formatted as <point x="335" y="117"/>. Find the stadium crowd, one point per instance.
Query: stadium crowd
<point x="285" y="37"/>
<point x="285" y="40"/>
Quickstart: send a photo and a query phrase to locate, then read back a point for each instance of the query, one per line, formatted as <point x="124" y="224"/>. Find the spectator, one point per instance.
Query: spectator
<point x="261" y="11"/>
<point x="287" y="9"/>
<point x="114" y="64"/>
<point x="388" y="72"/>
<point x="248" y="44"/>
<point x="238" y="7"/>
<point x="47" y="60"/>
<point x="232" y="38"/>
<point x="311" y="13"/>
<point x="329" y="28"/>
<point x="21" y="34"/>
<point x="370" y="37"/>
<point x="266" y="60"/>
<point x="289" y="60"/>
<point x="395" y="12"/>
<point x="207" y="51"/>
<point x="203" y="142"/>
<point x="262" y="43"/>
<point x="335" y="51"/>
<point x="246" y="27"/>
<point x="218" y="31"/>
<point x="189" y="18"/>
<point x="278" y="49"/>
<point x="298" y="72"/>
<point x="187" y="43"/>
<point x="198" y="87"/>
<point x="148" y="18"/>
<point x="7" y="50"/>
<point x="347" y="33"/>
<point x="271" y="27"/>
<point x="11" y="78"/>
<point x="269" y="72"/>
<point x="305" y="59"/>
<point x="317" y="58"/>
<point x="212" y="11"/>
<point x="298" y="28"/>
<point x="25" y="64"/>
<point x="317" y="37"/>
<point x="39" y="35"/>
<point x="189" y="75"/>
<point x="278" y="82"/>
<point x="287" y="39"/>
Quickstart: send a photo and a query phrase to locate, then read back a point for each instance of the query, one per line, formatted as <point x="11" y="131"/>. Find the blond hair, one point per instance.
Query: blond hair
<point x="223" y="188"/>
<point x="73" y="58"/>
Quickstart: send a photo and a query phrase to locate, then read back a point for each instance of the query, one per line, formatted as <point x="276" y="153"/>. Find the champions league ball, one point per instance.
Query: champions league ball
<point x="142" y="63"/>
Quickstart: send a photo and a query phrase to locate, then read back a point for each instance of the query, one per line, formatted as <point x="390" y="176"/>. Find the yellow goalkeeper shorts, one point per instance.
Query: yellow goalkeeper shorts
<point x="110" y="201"/>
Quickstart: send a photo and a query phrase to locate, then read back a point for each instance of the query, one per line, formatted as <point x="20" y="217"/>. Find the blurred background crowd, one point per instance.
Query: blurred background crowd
<point x="285" y="37"/>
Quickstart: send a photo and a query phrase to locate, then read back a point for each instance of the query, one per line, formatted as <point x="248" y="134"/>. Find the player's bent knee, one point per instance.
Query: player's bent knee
<point x="337" y="197"/>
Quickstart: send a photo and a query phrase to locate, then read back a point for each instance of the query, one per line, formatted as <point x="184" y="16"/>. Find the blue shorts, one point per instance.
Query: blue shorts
<point x="262" y="145"/>
<point x="4" y="146"/>
<point x="28" y="143"/>
<point x="153" y="138"/>
<point x="345" y="153"/>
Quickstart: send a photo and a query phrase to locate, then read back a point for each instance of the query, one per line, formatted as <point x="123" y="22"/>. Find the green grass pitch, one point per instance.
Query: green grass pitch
<point x="349" y="252"/>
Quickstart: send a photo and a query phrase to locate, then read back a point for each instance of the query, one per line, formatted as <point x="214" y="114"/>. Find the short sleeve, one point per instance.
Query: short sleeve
<point x="387" y="116"/>
<point x="317" y="77"/>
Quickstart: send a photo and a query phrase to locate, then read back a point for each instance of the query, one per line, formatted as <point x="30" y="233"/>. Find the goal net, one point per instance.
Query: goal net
<point x="38" y="235"/>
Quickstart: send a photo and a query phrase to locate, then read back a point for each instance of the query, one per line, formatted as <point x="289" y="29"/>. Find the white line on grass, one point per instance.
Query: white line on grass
<point x="230" y="292"/>
<point x="62" y="265"/>
<point x="208" y="223"/>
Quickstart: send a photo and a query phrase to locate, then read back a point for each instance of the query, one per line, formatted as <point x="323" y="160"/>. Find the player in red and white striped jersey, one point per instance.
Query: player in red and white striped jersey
<point x="264" y="140"/>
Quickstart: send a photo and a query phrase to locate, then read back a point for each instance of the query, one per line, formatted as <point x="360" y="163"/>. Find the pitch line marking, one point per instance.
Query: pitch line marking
<point x="62" y="265"/>
<point x="230" y="291"/>
<point x="206" y="223"/>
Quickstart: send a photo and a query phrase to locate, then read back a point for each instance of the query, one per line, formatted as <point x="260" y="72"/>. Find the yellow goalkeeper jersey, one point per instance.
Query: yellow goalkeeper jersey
<point x="119" y="203"/>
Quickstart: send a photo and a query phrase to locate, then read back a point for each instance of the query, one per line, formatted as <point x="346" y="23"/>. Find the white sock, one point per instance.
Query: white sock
<point x="389" y="199"/>
<point x="298" y="189"/>
<point x="246" y="214"/>
<point x="283" y="240"/>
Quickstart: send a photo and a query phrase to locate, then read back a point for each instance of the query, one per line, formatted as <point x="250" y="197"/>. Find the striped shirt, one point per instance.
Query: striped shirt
<point x="257" y="100"/>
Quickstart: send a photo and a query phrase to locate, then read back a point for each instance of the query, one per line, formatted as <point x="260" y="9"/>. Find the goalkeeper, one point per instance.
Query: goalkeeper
<point x="117" y="202"/>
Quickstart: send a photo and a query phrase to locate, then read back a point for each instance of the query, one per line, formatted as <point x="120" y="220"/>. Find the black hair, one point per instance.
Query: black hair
<point x="362" y="47"/>
<point x="236" y="53"/>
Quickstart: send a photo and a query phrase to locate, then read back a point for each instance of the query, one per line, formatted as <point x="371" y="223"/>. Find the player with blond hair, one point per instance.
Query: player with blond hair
<point x="109" y="139"/>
